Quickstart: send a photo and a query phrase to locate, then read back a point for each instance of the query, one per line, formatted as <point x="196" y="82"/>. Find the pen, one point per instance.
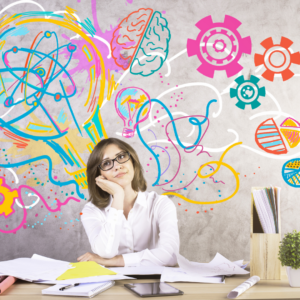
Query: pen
<point x="68" y="286"/>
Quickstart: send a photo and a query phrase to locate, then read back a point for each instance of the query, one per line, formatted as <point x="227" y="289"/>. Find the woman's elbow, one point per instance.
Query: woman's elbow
<point x="171" y="260"/>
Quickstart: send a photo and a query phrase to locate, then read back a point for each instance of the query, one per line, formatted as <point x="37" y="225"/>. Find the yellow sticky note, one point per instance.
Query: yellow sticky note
<point x="85" y="269"/>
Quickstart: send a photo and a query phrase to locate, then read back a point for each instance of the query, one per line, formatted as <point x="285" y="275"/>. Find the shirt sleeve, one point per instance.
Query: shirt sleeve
<point x="164" y="254"/>
<point x="103" y="231"/>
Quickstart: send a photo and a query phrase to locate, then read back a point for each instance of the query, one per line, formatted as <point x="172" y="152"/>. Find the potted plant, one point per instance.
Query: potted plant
<point x="289" y="255"/>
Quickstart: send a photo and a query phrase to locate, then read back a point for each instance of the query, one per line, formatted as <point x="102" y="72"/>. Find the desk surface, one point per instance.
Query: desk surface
<point x="264" y="289"/>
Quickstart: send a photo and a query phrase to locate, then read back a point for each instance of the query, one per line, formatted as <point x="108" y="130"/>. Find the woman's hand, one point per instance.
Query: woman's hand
<point x="116" y="261"/>
<point x="91" y="257"/>
<point x="109" y="186"/>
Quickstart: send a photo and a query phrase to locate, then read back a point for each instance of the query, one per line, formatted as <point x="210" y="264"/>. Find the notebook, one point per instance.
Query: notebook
<point x="82" y="290"/>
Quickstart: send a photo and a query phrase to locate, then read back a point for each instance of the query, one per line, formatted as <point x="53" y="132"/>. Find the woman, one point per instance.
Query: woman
<point x="126" y="225"/>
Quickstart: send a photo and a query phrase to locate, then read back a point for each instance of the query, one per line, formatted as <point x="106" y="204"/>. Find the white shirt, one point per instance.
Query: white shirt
<point x="148" y="237"/>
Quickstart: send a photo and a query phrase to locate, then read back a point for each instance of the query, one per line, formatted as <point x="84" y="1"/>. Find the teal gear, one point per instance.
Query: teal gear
<point x="247" y="92"/>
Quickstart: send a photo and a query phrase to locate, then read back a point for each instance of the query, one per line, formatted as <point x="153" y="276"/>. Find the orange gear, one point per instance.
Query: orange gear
<point x="288" y="59"/>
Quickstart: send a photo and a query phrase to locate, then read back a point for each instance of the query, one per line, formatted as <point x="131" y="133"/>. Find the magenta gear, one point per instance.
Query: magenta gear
<point x="223" y="47"/>
<point x="207" y="31"/>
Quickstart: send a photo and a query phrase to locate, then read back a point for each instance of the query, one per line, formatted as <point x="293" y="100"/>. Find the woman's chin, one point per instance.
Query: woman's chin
<point x="121" y="181"/>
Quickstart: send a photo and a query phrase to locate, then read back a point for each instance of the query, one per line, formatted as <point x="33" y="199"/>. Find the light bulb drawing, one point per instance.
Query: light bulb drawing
<point x="128" y="101"/>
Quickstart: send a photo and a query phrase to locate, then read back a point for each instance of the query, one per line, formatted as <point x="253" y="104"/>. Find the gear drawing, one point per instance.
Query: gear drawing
<point x="219" y="59"/>
<point x="286" y="56"/>
<point x="247" y="92"/>
<point x="220" y="42"/>
<point x="9" y="195"/>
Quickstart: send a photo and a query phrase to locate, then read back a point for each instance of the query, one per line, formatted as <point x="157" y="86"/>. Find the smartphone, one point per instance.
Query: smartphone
<point x="153" y="289"/>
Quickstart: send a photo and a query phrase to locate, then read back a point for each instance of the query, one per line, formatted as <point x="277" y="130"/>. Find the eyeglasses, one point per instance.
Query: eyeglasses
<point x="109" y="163"/>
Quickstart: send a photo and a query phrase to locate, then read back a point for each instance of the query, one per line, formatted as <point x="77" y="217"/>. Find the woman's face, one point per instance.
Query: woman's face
<point x="120" y="173"/>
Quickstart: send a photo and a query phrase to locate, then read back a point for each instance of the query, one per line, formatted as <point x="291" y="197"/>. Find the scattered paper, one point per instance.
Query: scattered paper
<point x="77" y="280"/>
<point x="218" y="266"/>
<point x="44" y="258"/>
<point x="240" y="264"/>
<point x="138" y="270"/>
<point x="30" y="269"/>
<point x="86" y="279"/>
<point x="178" y="275"/>
<point x="243" y="287"/>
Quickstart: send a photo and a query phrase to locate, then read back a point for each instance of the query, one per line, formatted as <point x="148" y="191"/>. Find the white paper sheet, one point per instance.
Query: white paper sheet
<point x="76" y="280"/>
<point x="262" y="213"/>
<point x="218" y="266"/>
<point x="44" y="258"/>
<point x="270" y="217"/>
<point x="243" y="287"/>
<point x="30" y="269"/>
<point x="178" y="275"/>
<point x="138" y="270"/>
<point x="86" y="279"/>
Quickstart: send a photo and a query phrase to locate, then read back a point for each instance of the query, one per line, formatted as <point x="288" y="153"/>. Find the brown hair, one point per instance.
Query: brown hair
<point x="99" y="197"/>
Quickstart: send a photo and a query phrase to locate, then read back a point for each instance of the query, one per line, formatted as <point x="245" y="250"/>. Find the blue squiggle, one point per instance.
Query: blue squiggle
<point x="49" y="172"/>
<point x="174" y="128"/>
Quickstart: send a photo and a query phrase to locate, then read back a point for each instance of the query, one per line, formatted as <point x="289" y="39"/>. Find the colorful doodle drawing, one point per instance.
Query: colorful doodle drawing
<point x="290" y="122"/>
<point x="219" y="164"/>
<point x="211" y="177"/>
<point x="86" y="58"/>
<point x="11" y="195"/>
<point x="192" y="121"/>
<point x="291" y="136"/>
<point x="154" y="45"/>
<point x="218" y="59"/>
<point x="247" y="92"/>
<point x="275" y="67"/>
<point x="38" y="93"/>
<point x="128" y="102"/>
<point x="35" y="80"/>
<point x="70" y="23"/>
<point x="291" y="172"/>
<point x="55" y="182"/>
<point x="128" y="35"/>
<point x="268" y="138"/>
<point x="141" y="33"/>
<point x="39" y="90"/>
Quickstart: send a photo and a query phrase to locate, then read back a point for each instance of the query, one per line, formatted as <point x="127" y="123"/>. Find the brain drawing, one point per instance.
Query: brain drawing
<point x="155" y="46"/>
<point x="142" y="37"/>
<point x="128" y="35"/>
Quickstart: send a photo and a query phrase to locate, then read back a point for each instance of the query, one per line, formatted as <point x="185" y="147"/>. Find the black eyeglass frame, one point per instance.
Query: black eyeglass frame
<point x="116" y="159"/>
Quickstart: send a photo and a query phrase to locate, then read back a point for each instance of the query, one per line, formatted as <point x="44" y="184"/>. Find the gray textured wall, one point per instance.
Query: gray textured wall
<point x="204" y="229"/>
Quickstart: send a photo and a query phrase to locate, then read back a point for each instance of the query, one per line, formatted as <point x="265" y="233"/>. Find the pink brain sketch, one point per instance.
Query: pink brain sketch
<point x="127" y="36"/>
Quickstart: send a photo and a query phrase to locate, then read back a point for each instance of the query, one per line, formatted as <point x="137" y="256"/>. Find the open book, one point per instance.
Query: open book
<point x="266" y="207"/>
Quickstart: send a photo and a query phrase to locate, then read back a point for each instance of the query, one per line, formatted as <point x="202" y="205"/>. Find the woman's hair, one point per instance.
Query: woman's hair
<point x="99" y="197"/>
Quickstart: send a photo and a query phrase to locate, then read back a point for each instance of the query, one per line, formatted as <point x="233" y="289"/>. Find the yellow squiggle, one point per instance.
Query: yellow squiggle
<point x="219" y="164"/>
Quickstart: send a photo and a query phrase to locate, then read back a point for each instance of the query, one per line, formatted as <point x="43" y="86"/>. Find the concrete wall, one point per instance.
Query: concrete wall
<point x="44" y="145"/>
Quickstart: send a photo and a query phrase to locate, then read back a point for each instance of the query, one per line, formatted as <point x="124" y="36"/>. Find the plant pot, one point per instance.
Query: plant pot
<point x="294" y="276"/>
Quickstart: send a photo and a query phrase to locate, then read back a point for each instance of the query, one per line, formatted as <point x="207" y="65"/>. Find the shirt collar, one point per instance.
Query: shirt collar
<point x="140" y="200"/>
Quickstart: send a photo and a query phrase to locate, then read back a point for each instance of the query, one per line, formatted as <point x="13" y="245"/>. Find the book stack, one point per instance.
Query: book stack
<point x="266" y="203"/>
